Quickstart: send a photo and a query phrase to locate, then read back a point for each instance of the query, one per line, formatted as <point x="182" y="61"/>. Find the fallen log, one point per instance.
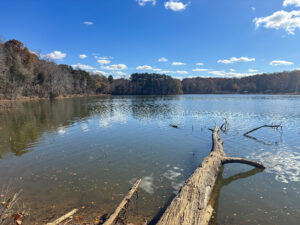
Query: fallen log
<point x="122" y="205"/>
<point x="191" y="205"/>
<point x="64" y="217"/>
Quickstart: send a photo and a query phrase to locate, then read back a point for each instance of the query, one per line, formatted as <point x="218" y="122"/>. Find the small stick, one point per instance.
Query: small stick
<point x="113" y="217"/>
<point x="66" y="216"/>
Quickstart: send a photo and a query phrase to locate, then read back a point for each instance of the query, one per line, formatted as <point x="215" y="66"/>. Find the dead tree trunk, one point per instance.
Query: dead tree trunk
<point x="191" y="205"/>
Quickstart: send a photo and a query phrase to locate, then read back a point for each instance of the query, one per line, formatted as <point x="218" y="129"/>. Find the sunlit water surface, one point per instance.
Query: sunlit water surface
<point x="87" y="152"/>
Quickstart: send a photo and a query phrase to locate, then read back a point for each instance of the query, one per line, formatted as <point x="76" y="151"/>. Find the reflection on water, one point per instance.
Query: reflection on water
<point x="221" y="182"/>
<point x="284" y="163"/>
<point x="87" y="152"/>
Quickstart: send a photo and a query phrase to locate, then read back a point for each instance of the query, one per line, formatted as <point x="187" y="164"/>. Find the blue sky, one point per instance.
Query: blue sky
<point x="231" y="38"/>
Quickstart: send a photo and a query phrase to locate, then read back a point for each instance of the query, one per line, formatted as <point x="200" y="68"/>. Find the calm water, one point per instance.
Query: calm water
<point x="87" y="152"/>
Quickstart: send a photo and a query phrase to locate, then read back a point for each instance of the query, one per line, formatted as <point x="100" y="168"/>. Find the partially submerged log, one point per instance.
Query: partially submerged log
<point x="122" y="205"/>
<point x="191" y="205"/>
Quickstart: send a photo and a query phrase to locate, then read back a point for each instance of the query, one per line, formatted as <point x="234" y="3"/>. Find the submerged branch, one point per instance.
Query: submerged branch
<point x="257" y="128"/>
<point x="124" y="202"/>
<point x="64" y="217"/>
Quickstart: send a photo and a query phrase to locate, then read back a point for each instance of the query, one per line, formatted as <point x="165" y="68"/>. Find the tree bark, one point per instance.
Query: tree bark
<point x="191" y="205"/>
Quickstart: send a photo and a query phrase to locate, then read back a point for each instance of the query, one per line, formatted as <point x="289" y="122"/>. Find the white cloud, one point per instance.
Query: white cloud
<point x="162" y="59"/>
<point x="99" y="72"/>
<point x="175" y="5"/>
<point x="119" y="73"/>
<point x="200" y="70"/>
<point x="291" y="2"/>
<point x="103" y="57"/>
<point x="103" y="61"/>
<point x="83" y="67"/>
<point x="145" y="67"/>
<point x="181" y="72"/>
<point x="280" y="63"/>
<point x="252" y="71"/>
<point x="83" y="56"/>
<point x="56" y="55"/>
<point x="144" y="2"/>
<point x="88" y="23"/>
<point x="199" y="64"/>
<point x="288" y="21"/>
<point x="253" y="8"/>
<point x="36" y="53"/>
<point x="178" y="64"/>
<point x="223" y="73"/>
<point x="217" y="72"/>
<point x="235" y="60"/>
<point x="232" y="70"/>
<point x="166" y="72"/>
<point x="179" y="78"/>
<point x="115" y="67"/>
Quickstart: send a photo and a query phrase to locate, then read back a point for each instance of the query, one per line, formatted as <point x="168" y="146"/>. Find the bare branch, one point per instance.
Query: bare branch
<point x="64" y="217"/>
<point x="257" y="128"/>
<point x="124" y="202"/>
<point x="244" y="161"/>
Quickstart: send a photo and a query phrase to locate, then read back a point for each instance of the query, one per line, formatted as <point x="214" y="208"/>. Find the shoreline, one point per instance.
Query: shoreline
<point x="25" y="99"/>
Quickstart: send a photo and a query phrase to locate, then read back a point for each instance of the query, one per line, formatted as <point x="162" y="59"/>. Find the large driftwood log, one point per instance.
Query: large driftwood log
<point x="191" y="205"/>
<point x="124" y="202"/>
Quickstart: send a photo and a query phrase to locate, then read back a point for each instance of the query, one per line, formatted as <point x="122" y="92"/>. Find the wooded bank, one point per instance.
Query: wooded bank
<point x="27" y="74"/>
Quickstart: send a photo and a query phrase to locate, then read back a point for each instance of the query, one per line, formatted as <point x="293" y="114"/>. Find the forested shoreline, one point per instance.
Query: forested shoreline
<point x="24" y="75"/>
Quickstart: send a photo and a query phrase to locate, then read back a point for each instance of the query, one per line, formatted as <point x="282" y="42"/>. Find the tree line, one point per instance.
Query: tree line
<point x="275" y="83"/>
<point x="24" y="74"/>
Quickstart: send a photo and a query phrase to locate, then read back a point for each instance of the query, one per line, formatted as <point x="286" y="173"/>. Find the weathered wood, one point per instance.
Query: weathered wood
<point x="64" y="217"/>
<point x="124" y="202"/>
<point x="257" y="128"/>
<point x="190" y="206"/>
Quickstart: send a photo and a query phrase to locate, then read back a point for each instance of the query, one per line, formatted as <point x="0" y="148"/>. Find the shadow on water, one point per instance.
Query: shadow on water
<point x="262" y="141"/>
<point x="221" y="182"/>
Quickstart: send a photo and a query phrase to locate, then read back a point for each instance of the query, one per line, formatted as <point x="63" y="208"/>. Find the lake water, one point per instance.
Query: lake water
<point x="87" y="152"/>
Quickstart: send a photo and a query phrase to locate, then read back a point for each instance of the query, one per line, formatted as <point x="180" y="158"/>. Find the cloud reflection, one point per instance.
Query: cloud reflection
<point x="284" y="163"/>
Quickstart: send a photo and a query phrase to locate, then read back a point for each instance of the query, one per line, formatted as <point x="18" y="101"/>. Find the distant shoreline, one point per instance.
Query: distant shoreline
<point x="3" y="102"/>
<point x="25" y="99"/>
